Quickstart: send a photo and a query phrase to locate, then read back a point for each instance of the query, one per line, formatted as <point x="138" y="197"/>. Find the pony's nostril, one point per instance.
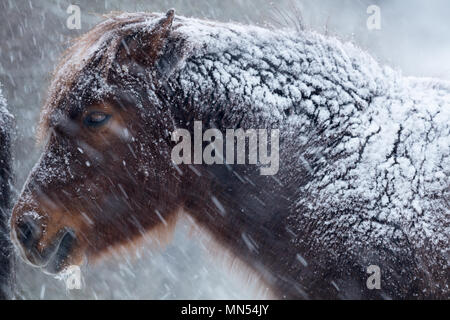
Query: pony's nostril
<point x="28" y="233"/>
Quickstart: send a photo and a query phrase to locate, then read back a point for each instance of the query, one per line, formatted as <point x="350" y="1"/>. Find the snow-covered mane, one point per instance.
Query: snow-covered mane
<point x="364" y="152"/>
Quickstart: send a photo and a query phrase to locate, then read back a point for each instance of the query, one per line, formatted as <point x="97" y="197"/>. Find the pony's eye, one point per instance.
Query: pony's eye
<point x="96" y="119"/>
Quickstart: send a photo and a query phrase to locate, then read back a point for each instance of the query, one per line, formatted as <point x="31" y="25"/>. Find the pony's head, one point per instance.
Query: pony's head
<point x="105" y="175"/>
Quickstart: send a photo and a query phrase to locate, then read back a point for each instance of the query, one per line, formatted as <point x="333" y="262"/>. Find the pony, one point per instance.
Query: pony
<point x="363" y="157"/>
<point x="5" y="176"/>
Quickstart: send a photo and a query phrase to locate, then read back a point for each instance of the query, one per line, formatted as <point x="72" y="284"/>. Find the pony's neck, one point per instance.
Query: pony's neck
<point x="308" y="86"/>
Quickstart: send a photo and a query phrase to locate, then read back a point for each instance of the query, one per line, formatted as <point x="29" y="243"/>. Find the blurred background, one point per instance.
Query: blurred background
<point x="414" y="38"/>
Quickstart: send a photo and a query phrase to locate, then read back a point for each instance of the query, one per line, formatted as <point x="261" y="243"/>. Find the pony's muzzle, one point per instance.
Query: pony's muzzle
<point x="52" y="256"/>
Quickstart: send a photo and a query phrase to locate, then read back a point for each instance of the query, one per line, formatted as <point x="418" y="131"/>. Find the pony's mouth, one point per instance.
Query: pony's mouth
<point x="57" y="261"/>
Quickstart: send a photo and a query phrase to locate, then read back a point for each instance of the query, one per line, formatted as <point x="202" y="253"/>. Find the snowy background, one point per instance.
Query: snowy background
<point x="414" y="38"/>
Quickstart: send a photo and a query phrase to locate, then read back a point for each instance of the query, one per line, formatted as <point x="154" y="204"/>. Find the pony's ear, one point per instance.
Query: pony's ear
<point x="146" y="47"/>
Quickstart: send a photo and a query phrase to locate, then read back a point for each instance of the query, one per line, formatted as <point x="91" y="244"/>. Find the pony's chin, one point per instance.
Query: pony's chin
<point x="56" y="268"/>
